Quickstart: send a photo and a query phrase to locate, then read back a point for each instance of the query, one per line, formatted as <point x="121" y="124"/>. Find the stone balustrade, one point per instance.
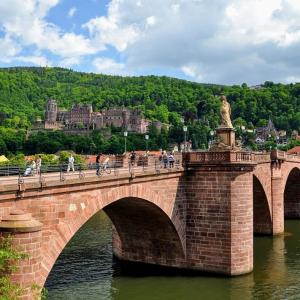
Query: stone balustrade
<point x="218" y="157"/>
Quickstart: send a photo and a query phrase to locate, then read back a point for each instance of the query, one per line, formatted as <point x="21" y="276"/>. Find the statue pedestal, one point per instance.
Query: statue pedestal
<point x="225" y="140"/>
<point x="226" y="136"/>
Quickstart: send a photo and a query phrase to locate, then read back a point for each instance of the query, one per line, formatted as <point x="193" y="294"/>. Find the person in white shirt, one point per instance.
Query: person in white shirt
<point x="38" y="165"/>
<point x="105" y="163"/>
<point x="31" y="169"/>
<point x="71" y="164"/>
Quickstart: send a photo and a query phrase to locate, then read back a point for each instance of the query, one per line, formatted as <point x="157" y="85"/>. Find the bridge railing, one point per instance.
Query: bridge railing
<point x="238" y="157"/>
<point x="278" y="155"/>
<point x="293" y="157"/>
<point x="260" y="157"/>
<point x="217" y="157"/>
<point x="52" y="172"/>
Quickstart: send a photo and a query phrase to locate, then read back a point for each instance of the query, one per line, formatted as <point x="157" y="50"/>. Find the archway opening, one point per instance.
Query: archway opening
<point x="262" y="222"/>
<point x="135" y="230"/>
<point x="292" y="195"/>
<point x="85" y="266"/>
<point x="144" y="233"/>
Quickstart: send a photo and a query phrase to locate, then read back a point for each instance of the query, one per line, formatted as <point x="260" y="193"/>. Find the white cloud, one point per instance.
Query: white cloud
<point x="69" y="62"/>
<point x="110" y="31"/>
<point x="220" y="41"/>
<point x="72" y="12"/>
<point x="189" y="71"/>
<point x="264" y="21"/>
<point x="8" y="49"/>
<point x="109" y="66"/>
<point x="293" y="79"/>
<point x="36" y="60"/>
<point x="151" y="20"/>
<point x="24" y="21"/>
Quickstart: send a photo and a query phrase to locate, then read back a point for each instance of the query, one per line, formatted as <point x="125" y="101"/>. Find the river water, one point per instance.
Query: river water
<point x="86" y="270"/>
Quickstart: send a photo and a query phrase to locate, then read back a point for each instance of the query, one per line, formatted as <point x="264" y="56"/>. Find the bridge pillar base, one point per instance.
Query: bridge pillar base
<point x="277" y="206"/>
<point x="219" y="228"/>
<point x="277" y="199"/>
<point x="25" y="233"/>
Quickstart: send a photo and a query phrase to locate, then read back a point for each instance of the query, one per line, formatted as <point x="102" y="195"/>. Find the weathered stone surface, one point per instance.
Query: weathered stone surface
<point x="18" y="221"/>
<point x="26" y="237"/>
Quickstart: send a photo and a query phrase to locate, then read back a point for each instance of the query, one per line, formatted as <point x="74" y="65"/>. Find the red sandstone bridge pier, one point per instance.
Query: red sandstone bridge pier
<point x="201" y="215"/>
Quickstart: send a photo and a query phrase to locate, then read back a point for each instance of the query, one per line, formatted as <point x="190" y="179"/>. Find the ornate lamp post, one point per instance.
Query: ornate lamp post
<point x="125" y="136"/>
<point x="243" y="128"/>
<point x="277" y="141"/>
<point x="147" y="138"/>
<point x="211" y="138"/>
<point x="185" y="131"/>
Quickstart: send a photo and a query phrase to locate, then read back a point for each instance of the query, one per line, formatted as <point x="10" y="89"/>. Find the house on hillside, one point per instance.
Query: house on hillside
<point x="266" y="132"/>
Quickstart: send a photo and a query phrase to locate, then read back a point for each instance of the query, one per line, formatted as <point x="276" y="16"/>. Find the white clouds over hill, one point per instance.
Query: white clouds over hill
<point x="24" y="23"/>
<point x="223" y="41"/>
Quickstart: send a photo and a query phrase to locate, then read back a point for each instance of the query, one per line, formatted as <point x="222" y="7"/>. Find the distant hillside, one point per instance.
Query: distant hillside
<point x="24" y="91"/>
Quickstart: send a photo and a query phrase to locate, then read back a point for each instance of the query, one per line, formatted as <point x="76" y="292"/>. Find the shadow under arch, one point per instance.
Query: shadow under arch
<point x="144" y="230"/>
<point x="262" y="220"/>
<point x="292" y="195"/>
<point x="144" y="233"/>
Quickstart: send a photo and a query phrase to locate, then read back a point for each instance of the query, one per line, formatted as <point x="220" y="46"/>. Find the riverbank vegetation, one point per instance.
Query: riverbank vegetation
<point x="8" y="262"/>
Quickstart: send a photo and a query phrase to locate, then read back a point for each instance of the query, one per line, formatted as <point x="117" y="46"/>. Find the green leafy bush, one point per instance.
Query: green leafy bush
<point x="8" y="261"/>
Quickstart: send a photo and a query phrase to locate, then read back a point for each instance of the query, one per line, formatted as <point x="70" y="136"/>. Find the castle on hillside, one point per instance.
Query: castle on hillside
<point x="82" y="117"/>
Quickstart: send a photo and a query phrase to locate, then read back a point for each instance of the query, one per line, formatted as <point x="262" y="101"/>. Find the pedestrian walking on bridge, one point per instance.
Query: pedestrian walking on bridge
<point x="98" y="161"/>
<point x="38" y="165"/>
<point x="71" y="164"/>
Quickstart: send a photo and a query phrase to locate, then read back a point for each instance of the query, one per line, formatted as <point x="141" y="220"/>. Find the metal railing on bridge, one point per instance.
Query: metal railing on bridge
<point x="22" y="174"/>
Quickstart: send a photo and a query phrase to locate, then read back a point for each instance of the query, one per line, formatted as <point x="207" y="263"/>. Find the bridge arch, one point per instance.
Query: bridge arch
<point x="292" y="194"/>
<point x="262" y="213"/>
<point x="147" y="228"/>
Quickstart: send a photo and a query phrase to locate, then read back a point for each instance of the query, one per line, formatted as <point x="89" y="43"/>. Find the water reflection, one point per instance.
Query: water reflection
<point x="86" y="270"/>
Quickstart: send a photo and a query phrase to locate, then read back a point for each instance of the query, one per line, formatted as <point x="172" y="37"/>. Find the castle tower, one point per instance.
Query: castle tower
<point x="51" y="111"/>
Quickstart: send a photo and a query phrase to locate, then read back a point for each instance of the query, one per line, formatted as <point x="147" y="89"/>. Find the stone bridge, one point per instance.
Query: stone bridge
<point x="199" y="216"/>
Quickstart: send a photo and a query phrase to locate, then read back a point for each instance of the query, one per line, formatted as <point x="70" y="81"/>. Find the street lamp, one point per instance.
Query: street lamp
<point x="147" y="138"/>
<point x="242" y="134"/>
<point x="211" y="138"/>
<point x="125" y="136"/>
<point x="185" y="131"/>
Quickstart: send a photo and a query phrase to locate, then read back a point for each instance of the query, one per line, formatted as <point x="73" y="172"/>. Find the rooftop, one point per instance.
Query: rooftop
<point x="294" y="150"/>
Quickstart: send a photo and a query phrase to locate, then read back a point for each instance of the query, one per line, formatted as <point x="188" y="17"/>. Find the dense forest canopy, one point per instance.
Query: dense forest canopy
<point x="25" y="90"/>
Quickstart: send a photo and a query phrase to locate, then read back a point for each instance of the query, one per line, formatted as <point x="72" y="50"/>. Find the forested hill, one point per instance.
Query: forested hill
<point x="24" y="91"/>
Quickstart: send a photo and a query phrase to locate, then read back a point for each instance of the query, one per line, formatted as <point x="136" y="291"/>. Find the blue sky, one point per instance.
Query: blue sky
<point x="213" y="41"/>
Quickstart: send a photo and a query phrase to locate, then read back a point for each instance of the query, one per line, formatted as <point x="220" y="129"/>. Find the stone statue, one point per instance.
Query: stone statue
<point x="225" y="113"/>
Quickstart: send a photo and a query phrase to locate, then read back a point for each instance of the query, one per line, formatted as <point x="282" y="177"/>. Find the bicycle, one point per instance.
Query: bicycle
<point x="105" y="168"/>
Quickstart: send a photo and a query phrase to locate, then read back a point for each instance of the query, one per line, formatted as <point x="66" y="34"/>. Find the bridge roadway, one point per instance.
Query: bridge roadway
<point x="47" y="177"/>
<point x="201" y="216"/>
